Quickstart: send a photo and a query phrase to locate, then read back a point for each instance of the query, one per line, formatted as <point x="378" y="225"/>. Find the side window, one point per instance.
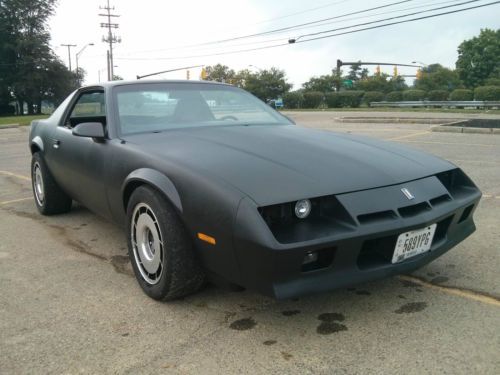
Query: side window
<point x="90" y="107"/>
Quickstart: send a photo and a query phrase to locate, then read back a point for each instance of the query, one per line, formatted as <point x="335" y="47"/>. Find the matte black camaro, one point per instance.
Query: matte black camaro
<point x="210" y="181"/>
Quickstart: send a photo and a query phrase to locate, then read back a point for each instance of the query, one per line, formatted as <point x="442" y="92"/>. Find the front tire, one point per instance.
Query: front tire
<point x="160" y="249"/>
<point x="49" y="198"/>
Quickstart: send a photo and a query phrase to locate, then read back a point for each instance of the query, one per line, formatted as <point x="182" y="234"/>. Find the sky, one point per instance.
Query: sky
<point x="159" y="35"/>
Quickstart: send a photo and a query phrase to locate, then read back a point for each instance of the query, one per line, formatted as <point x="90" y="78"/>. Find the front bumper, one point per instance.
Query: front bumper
<point x="360" y="252"/>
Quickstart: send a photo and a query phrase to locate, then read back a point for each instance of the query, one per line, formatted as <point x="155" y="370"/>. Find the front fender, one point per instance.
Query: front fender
<point x="154" y="178"/>
<point x="36" y="143"/>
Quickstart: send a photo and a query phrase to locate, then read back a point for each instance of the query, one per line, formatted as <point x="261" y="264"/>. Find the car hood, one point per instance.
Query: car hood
<point x="281" y="163"/>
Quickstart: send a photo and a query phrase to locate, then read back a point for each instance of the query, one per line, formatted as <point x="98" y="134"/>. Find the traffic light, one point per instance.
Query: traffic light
<point x="419" y="73"/>
<point x="377" y="70"/>
<point x="395" y="73"/>
<point x="187" y="74"/>
<point x="203" y="74"/>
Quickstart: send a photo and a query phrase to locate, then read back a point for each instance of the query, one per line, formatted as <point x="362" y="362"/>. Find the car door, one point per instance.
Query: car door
<point x="78" y="163"/>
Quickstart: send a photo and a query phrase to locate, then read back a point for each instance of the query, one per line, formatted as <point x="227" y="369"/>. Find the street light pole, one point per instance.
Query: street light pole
<point x="69" y="53"/>
<point x="80" y="52"/>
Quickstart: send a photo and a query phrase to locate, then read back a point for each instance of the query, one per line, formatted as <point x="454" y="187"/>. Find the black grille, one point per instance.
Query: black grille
<point x="466" y="213"/>
<point x="440" y="200"/>
<point x="414" y="210"/>
<point x="377" y="216"/>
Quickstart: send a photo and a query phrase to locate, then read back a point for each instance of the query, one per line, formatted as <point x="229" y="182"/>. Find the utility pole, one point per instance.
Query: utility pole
<point x="110" y="77"/>
<point x="69" y="53"/>
<point x="111" y="38"/>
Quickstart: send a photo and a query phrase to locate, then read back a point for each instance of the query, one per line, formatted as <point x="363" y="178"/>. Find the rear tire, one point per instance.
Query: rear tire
<point x="49" y="197"/>
<point x="160" y="249"/>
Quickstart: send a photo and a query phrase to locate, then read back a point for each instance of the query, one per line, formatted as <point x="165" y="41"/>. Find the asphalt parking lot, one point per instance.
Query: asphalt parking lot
<point x="69" y="302"/>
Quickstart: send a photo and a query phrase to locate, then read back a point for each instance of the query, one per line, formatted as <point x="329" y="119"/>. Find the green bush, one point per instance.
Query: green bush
<point x="461" y="95"/>
<point x="492" y="82"/>
<point x="293" y="100"/>
<point x="373" y="96"/>
<point x="7" y="109"/>
<point x="413" y="95"/>
<point x="438" y="95"/>
<point x="491" y="93"/>
<point x="394" y="96"/>
<point x="333" y="100"/>
<point x="313" y="99"/>
<point x="351" y="98"/>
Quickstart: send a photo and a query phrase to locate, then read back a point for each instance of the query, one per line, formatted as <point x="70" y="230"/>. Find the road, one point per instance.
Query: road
<point x="69" y="303"/>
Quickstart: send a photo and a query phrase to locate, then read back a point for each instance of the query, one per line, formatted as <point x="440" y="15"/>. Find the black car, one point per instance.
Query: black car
<point x="210" y="182"/>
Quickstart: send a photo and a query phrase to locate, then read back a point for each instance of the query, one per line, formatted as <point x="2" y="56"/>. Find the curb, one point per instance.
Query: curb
<point x="456" y="127"/>
<point x="10" y="126"/>
<point x="394" y="120"/>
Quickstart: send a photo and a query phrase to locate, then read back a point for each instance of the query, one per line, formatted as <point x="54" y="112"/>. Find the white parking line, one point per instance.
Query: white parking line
<point x="469" y="294"/>
<point x="409" y="135"/>
<point x="15" y="200"/>
<point x="7" y="173"/>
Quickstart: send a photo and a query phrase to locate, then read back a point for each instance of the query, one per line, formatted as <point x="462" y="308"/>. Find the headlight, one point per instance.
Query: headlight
<point x="303" y="208"/>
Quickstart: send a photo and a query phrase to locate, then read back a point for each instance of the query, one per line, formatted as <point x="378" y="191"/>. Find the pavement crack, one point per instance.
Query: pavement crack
<point x="461" y="292"/>
<point x="76" y="245"/>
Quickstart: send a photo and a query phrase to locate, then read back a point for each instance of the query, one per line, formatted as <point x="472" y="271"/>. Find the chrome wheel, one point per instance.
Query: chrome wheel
<point x="38" y="184"/>
<point x="147" y="243"/>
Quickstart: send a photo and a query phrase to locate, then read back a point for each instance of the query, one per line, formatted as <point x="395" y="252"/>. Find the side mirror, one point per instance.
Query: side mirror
<point x="90" y="129"/>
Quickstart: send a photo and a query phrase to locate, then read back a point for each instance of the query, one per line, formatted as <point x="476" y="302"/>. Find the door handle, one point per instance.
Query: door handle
<point x="56" y="143"/>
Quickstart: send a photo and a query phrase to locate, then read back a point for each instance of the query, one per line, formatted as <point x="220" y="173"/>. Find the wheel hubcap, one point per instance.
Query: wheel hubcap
<point x="147" y="243"/>
<point x="38" y="184"/>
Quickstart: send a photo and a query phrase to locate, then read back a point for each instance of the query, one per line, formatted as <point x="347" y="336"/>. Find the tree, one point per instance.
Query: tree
<point x="60" y="81"/>
<point x="219" y="73"/>
<point x="479" y="58"/>
<point x="355" y="72"/>
<point x="267" y="84"/>
<point x="240" y="78"/>
<point x="397" y="84"/>
<point x="375" y="83"/>
<point x="27" y="62"/>
<point x="325" y="83"/>
<point x="437" y="77"/>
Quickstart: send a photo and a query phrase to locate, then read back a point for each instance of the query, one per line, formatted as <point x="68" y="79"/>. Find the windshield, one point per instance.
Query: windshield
<point x="163" y="106"/>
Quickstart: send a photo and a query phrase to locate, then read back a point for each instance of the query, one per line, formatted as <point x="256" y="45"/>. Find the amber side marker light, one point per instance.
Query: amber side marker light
<point x="206" y="238"/>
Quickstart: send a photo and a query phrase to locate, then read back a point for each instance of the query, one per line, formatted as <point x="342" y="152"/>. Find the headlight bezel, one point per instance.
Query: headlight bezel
<point x="302" y="208"/>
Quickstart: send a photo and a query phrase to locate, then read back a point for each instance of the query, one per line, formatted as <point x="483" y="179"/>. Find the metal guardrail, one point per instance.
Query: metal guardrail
<point x="447" y="103"/>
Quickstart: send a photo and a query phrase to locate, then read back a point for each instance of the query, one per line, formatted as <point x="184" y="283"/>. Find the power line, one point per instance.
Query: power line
<point x="298" y="28"/>
<point x="430" y="3"/>
<point x="295" y="26"/>
<point x="317" y="38"/>
<point x="111" y="38"/>
<point x="301" y="12"/>
<point x="399" y="22"/>
<point x="307" y="23"/>
<point x="387" y="19"/>
<point x="256" y="23"/>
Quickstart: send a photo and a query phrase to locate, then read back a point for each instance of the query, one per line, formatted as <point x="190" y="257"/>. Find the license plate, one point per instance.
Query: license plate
<point x="412" y="243"/>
